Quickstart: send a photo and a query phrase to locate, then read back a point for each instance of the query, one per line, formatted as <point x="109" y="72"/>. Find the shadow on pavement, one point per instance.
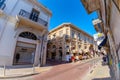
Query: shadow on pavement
<point x="54" y="62"/>
<point x="108" y="78"/>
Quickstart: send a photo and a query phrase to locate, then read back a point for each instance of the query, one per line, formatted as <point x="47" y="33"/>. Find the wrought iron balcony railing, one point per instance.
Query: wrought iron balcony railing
<point x="26" y="14"/>
<point x="3" y="6"/>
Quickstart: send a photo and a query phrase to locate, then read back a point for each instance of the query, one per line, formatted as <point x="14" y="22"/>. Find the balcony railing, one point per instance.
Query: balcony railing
<point x="67" y="36"/>
<point x="3" y="6"/>
<point x="27" y="15"/>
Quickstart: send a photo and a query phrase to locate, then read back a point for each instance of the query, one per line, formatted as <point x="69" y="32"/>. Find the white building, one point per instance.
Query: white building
<point x="23" y="31"/>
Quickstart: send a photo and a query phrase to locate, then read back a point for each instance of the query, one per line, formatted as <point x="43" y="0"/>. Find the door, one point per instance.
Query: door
<point x="24" y="53"/>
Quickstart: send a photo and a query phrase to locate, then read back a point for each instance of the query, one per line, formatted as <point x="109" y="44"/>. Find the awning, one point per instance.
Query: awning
<point x="102" y="43"/>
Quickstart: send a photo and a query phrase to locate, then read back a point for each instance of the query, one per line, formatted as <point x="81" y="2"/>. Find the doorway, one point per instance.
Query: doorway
<point x="24" y="53"/>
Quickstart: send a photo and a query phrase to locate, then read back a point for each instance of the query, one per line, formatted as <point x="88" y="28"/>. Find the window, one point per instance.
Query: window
<point x="84" y="39"/>
<point x="34" y="15"/>
<point x="99" y="28"/>
<point x="82" y="36"/>
<point x="79" y="37"/>
<point x="67" y="31"/>
<point x="28" y="35"/>
<point x="54" y="35"/>
<point x="87" y="39"/>
<point x="54" y="46"/>
<point x="61" y="33"/>
<point x="79" y="46"/>
<point x="85" y="47"/>
<point x="49" y="37"/>
<point x="73" y="34"/>
<point x="2" y="4"/>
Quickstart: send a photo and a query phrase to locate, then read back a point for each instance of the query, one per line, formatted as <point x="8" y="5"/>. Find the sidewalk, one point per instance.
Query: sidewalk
<point x="18" y="71"/>
<point x="99" y="72"/>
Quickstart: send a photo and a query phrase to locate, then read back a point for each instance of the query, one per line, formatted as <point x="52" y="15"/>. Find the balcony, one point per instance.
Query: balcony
<point x="2" y="7"/>
<point x="91" y="5"/>
<point x="74" y="39"/>
<point x="24" y="18"/>
<point x="49" y="42"/>
<point x="67" y="38"/>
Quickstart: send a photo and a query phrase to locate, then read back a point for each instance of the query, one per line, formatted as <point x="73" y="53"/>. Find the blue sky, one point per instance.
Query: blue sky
<point x="71" y="11"/>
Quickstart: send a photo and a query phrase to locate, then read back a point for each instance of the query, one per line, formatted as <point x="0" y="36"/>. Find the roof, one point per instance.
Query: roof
<point x="71" y="25"/>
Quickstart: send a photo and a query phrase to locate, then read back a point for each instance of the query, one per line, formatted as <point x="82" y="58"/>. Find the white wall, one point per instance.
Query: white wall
<point x="9" y="5"/>
<point x="8" y="42"/>
<point x="22" y="5"/>
<point x="9" y="37"/>
<point x="2" y="24"/>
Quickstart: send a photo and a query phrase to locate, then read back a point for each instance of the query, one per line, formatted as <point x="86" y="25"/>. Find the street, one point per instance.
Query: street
<point x="68" y="71"/>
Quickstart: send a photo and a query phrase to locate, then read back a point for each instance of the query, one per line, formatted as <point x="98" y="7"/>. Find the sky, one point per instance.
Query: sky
<point x="70" y="11"/>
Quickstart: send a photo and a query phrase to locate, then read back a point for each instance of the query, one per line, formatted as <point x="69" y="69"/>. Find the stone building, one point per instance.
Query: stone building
<point x="23" y="32"/>
<point x="109" y="14"/>
<point x="67" y="38"/>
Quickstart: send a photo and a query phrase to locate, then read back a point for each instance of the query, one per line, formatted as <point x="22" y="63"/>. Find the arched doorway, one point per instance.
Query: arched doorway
<point x="53" y="52"/>
<point x="60" y="53"/>
<point x="25" y="49"/>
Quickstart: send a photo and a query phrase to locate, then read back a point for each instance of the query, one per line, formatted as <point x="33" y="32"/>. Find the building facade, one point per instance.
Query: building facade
<point x="67" y="38"/>
<point x="109" y="14"/>
<point x="23" y="32"/>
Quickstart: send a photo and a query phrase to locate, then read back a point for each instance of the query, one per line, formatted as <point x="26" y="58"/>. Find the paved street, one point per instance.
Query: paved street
<point x="69" y="71"/>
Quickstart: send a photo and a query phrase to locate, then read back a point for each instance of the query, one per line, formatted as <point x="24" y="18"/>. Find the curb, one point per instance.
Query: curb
<point x="22" y="75"/>
<point x="19" y="76"/>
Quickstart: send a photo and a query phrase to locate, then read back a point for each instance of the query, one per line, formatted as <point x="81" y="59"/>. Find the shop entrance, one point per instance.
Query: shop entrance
<point x="24" y="53"/>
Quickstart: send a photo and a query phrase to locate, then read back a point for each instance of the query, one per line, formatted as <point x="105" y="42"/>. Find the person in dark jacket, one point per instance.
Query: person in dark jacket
<point x="17" y="57"/>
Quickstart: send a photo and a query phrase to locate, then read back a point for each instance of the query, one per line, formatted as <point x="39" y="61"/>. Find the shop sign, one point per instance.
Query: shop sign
<point x="99" y="36"/>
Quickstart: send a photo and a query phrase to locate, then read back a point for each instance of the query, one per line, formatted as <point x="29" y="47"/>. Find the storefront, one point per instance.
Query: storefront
<point x="24" y="53"/>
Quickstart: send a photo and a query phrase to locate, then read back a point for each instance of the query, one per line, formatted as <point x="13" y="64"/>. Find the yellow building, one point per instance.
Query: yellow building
<point x="67" y="38"/>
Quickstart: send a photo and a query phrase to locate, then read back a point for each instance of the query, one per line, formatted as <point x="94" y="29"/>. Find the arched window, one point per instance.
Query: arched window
<point x="28" y="35"/>
<point x="60" y="49"/>
<point x="54" y="46"/>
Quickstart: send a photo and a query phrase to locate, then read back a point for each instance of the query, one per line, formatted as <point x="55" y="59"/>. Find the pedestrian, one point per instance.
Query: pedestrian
<point x="104" y="59"/>
<point x="80" y="56"/>
<point x="67" y="57"/>
<point x="32" y="57"/>
<point x="73" y="58"/>
<point x="76" y="58"/>
<point x="17" y="57"/>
